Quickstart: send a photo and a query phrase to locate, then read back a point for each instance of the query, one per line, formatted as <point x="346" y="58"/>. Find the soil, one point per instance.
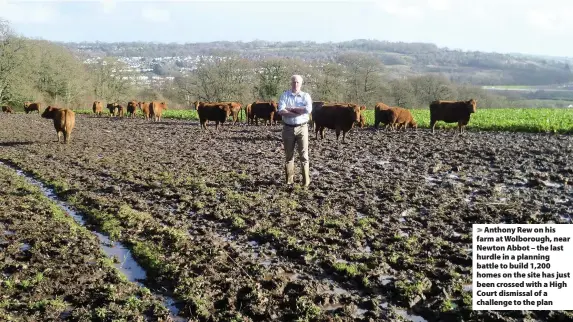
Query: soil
<point x="52" y="269"/>
<point x="383" y="231"/>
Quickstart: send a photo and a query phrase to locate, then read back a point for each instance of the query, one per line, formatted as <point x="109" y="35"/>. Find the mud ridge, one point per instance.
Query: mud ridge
<point x="127" y="265"/>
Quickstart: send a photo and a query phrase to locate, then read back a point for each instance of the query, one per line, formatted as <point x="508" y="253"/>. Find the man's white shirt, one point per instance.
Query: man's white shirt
<point x="301" y="99"/>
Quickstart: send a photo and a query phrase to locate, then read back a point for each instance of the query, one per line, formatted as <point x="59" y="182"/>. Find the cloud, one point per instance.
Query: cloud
<point x="439" y="5"/>
<point x="412" y="9"/>
<point x="400" y="9"/>
<point x="555" y="21"/>
<point x="153" y="14"/>
<point x="30" y="12"/>
<point x="108" y="6"/>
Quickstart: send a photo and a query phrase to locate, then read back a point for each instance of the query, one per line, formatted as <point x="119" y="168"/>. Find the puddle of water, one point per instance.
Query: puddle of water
<point x="332" y="307"/>
<point x="8" y="233"/>
<point x="381" y="162"/>
<point x="253" y="243"/>
<point x="408" y="212"/>
<point x="24" y="247"/>
<point x="402" y="219"/>
<point x="170" y="303"/>
<point x="411" y="317"/>
<point x="338" y="291"/>
<point x="557" y="200"/>
<point x="359" y="313"/>
<point x="550" y="184"/>
<point x="452" y="176"/>
<point x="385" y="279"/>
<point x="431" y="179"/>
<point x="291" y="276"/>
<point x="456" y="234"/>
<point x="127" y="264"/>
<point x="335" y="289"/>
<point x="566" y="218"/>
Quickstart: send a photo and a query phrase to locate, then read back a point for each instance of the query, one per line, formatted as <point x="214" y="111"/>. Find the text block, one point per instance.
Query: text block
<point x="522" y="267"/>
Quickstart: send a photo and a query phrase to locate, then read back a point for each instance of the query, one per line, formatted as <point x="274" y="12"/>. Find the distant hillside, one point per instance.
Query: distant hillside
<point x="401" y="59"/>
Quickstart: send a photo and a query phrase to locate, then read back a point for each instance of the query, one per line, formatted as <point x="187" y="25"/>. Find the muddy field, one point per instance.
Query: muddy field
<point x="52" y="269"/>
<point x="382" y="234"/>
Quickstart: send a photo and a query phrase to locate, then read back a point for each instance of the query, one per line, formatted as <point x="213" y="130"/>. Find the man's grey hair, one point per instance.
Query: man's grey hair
<point x="296" y="76"/>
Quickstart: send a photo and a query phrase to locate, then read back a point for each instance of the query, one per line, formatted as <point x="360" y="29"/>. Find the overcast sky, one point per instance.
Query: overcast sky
<point x="527" y="26"/>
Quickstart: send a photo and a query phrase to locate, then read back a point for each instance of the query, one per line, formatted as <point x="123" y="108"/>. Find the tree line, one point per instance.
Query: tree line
<point x="474" y="67"/>
<point x="38" y="70"/>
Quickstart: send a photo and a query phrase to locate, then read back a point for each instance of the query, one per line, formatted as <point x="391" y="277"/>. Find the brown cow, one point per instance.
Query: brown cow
<point x="64" y="121"/>
<point x="144" y="107"/>
<point x="120" y="110"/>
<point x="7" y="109"/>
<point x="97" y="108"/>
<point x="396" y="117"/>
<point x="29" y="107"/>
<point x="249" y="114"/>
<point x="212" y="112"/>
<point x="362" y="122"/>
<point x="379" y="114"/>
<point x="112" y="107"/>
<point x="156" y="108"/>
<point x="266" y="111"/>
<point x="339" y="117"/>
<point x="452" y="112"/>
<point x="131" y="108"/>
<point x="405" y="120"/>
<point x="315" y="106"/>
<point x="235" y="110"/>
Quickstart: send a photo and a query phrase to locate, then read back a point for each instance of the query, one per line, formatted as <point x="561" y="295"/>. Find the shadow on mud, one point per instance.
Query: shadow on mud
<point x="17" y="143"/>
<point x="168" y="124"/>
<point x="255" y="139"/>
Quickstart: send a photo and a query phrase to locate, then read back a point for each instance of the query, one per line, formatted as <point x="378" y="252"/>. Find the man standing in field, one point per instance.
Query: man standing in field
<point x="295" y="107"/>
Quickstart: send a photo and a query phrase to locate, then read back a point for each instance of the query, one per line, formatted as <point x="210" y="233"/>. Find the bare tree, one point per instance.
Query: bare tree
<point x="226" y="79"/>
<point x="403" y="93"/>
<point x="11" y="60"/>
<point x="428" y="88"/>
<point x="60" y="85"/>
<point x="273" y="75"/>
<point x="110" y="80"/>
<point x="363" y="77"/>
<point x="330" y="84"/>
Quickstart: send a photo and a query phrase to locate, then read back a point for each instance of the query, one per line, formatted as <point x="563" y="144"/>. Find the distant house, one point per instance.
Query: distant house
<point x="570" y="105"/>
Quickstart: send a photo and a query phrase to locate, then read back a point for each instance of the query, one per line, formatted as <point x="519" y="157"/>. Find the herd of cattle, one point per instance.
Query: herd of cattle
<point x="340" y="117"/>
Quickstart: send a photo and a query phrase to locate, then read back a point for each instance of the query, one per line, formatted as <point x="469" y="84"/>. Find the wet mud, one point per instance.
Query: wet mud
<point x="52" y="269"/>
<point x="382" y="233"/>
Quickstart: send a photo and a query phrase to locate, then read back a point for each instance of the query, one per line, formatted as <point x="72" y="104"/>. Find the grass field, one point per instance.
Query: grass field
<point x="553" y="120"/>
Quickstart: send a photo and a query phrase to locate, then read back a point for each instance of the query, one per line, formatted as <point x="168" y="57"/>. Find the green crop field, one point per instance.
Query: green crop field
<point x="552" y="120"/>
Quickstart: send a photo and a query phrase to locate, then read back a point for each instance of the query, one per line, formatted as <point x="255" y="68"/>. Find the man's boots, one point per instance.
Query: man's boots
<point x="306" y="174"/>
<point x="289" y="173"/>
